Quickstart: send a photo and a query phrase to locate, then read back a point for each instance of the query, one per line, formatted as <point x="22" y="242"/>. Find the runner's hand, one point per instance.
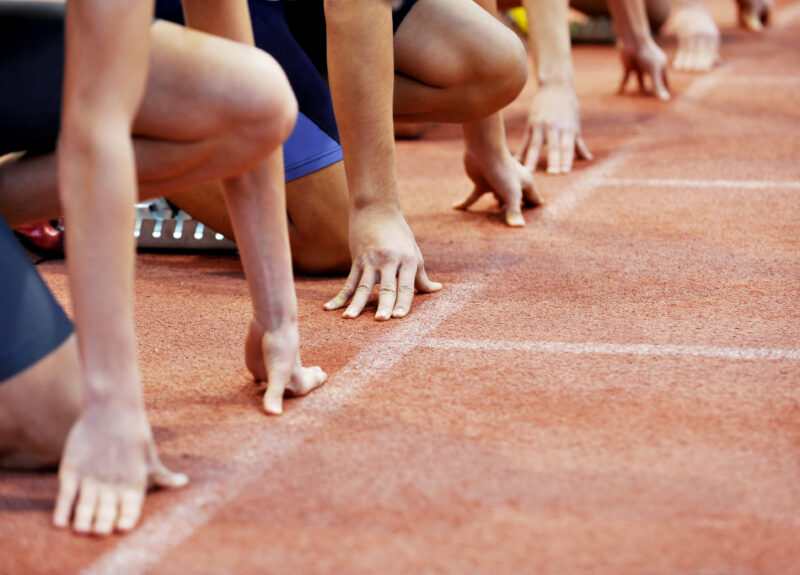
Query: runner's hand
<point x="109" y="461"/>
<point x="384" y="253"/>
<point x="274" y="357"/>
<point x="698" y="38"/>
<point x="509" y="181"/>
<point x="645" y="60"/>
<point x="554" y="121"/>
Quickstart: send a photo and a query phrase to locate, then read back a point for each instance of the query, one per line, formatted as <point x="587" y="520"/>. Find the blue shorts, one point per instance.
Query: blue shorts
<point x="31" y="75"/>
<point x="314" y="142"/>
<point x="294" y="34"/>
<point x="306" y="19"/>
<point x="32" y="324"/>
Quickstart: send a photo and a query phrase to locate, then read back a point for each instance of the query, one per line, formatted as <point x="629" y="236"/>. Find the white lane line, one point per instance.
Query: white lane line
<point x="755" y="80"/>
<point x="678" y="183"/>
<point x="584" y="186"/>
<point x="252" y="453"/>
<point x="597" y="348"/>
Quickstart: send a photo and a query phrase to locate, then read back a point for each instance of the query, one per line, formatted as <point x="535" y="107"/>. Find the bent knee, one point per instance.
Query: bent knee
<point x="498" y="71"/>
<point x="266" y="111"/>
<point x="505" y="70"/>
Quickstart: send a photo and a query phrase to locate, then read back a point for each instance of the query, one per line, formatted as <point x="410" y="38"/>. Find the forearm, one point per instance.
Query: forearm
<point x="257" y="206"/>
<point x="630" y="21"/>
<point x="97" y="193"/>
<point x="361" y="76"/>
<point x="487" y="137"/>
<point x="107" y="52"/>
<point x="548" y="33"/>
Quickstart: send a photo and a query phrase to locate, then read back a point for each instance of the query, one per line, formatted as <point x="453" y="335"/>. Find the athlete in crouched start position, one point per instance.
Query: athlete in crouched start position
<point x="193" y="108"/>
<point x="416" y="61"/>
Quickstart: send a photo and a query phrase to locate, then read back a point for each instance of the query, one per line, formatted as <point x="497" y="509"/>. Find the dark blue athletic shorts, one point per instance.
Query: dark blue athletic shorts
<point x="32" y="324"/>
<point x="31" y="75"/>
<point x="294" y="34"/>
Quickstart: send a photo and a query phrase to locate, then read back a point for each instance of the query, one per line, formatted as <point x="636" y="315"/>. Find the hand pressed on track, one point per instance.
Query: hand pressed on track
<point x="645" y="60"/>
<point x="109" y="461"/>
<point x="698" y="38"/>
<point x="386" y="254"/>
<point x="509" y="181"/>
<point x="554" y="122"/>
<point x="274" y="356"/>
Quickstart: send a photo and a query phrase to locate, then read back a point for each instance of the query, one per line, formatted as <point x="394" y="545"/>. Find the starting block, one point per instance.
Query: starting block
<point x="159" y="228"/>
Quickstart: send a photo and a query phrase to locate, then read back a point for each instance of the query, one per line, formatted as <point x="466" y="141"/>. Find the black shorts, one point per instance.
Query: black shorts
<point x="306" y="20"/>
<point x="31" y="75"/>
<point x="32" y="324"/>
<point x="295" y="37"/>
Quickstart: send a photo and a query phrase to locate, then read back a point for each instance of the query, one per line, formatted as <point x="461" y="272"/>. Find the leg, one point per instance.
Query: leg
<point x="208" y="113"/>
<point x="40" y="375"/>
<point x="38" y="408"/>
<point x="318" y="207"/>
<point x="455" y="62"/>
<point x="316" y="189"/>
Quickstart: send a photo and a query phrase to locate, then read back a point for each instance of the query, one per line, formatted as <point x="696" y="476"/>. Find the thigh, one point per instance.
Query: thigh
<point x="442" y="42"/>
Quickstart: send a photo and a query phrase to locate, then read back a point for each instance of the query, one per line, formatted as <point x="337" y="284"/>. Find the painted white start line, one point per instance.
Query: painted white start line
<point x="709" y="184"/>
<point x="254" y="454"/>
<point x="598" y="348"/>
<point x="756" y="80"/>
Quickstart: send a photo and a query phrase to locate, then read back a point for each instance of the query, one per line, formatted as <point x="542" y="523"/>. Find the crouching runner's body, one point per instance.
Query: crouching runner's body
<point x="186" y="105"/>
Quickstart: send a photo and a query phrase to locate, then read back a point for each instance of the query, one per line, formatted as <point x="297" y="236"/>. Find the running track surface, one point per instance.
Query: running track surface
<point x="613" y="390"/>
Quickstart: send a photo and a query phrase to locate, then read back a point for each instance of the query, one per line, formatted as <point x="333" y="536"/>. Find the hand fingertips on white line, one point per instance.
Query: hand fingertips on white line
<point x="86" y="507"/>
<point x="131" y="502"/>
<point x="68" y="490"/>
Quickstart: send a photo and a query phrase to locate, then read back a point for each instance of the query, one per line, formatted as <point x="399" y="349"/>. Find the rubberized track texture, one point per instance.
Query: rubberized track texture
<point x="613" y="390"/>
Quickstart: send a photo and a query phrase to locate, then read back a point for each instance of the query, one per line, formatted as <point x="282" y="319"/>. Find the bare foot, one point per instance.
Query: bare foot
<point x="698" y="38"/>
<point x="274" y="357"/>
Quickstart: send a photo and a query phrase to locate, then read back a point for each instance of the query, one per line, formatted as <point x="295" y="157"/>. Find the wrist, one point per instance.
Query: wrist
<point x="114" y="391"/>
<point x="562" y="77"/>
<point x="114" y="416"/>
<point x="385" y="204"/>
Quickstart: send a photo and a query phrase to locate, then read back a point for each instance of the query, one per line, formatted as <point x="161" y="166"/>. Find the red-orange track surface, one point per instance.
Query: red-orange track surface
<point x="613" y="390"/>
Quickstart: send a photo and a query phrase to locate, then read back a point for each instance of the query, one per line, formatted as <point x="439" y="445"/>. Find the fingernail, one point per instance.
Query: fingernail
<point x="382" y="315"/>
<point x="180" y="479"/>
<point x="515" y="220"/>
<point x="273" y="408"/>
<point x="399" y="312"/>
<point x="552" y="170"/>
